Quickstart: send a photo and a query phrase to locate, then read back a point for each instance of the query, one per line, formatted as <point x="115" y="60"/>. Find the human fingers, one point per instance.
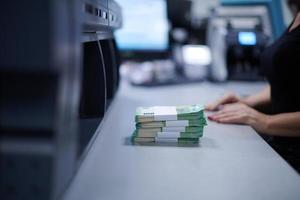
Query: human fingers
<point x="234" y="107"/>
<point x="233" y="119"/>
<point x="223" y="112"/>
<point x="216" y="117"/>
<point x="227" y="98"/>
<point x="221" y="116"/>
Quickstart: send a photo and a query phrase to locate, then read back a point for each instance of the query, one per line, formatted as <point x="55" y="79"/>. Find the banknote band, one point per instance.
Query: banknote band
<point x="157" y="139"/>
<point x="168" y="135"/>
<point x="163" y="113"/>
<point x="177" y="123"/>
<point x="174" y="129"/>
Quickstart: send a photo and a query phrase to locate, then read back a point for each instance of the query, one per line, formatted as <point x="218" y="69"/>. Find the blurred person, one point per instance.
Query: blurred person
<point x="280" y="63"/>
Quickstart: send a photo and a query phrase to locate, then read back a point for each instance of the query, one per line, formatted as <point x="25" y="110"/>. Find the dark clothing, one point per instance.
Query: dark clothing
<point x="281" y="65"/>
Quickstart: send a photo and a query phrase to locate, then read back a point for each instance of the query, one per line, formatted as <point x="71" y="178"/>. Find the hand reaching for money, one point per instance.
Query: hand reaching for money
<point x="239" y="113"/>
<point x="235" y="113"/>
<point x="225" y="99"/>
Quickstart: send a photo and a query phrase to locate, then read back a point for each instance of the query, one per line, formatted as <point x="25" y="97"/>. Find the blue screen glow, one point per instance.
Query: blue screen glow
<point x="247" y="38"/>
<point x="145" y="25"/>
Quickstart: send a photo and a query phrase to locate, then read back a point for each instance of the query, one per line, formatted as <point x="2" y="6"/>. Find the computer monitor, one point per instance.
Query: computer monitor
<point x="145" y="26"/>
<point x="247" y="38"/>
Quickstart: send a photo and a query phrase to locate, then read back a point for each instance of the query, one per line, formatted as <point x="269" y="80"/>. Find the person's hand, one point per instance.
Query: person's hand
<point x="239" y="113"/>
<point x="226" y="99"/>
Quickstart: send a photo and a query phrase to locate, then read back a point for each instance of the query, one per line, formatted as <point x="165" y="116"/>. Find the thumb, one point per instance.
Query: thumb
<point x="211" y="106"/>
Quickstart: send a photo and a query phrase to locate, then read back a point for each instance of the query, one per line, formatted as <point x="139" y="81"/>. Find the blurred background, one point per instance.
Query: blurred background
<point x="62" y="62"/>
<point x="208" y="40"/>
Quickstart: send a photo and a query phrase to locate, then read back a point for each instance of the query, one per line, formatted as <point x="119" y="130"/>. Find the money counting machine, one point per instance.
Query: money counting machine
<point x="58" y="75"/>
<point x="237" y="36"/>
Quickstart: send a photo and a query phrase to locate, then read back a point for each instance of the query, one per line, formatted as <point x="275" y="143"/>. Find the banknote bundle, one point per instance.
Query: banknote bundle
<point x="182" y="124"/>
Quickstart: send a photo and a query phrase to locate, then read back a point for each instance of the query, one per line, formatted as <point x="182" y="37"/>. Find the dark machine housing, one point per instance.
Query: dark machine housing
<point x="58" y="75"/>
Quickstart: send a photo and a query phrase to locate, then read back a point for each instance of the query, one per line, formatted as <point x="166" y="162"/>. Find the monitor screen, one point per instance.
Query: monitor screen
<point x="247" y="38"/>
<point x="145" y="26"/>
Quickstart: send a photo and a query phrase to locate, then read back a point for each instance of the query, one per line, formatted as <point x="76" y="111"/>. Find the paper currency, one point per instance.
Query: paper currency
<point x="167" y="113"/>
<point x="172" y="129"/>
<point x="168" y="134"/>
<point x="162" y="140"/>
<point x="181" y="124"/>
<point x="172" y="123"/>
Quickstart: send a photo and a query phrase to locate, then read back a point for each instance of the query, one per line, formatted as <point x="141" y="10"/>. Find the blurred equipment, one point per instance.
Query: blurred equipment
<point x="152" y="50"/>
<point x="182" y="20"/>
<point x="187" y="39"/>
<point x="195" y="61"/>
<point x="274" y="8"/>
<point x="145" y="32"/>
<point x="186" y="26"/>
<point x="149" y="73"/>
<point x="58" y="74"/>
<point x="236" y="36"/>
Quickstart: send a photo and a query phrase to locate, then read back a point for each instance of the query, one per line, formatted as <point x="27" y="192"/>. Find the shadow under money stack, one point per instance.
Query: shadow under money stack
<point x="182" y="124"/>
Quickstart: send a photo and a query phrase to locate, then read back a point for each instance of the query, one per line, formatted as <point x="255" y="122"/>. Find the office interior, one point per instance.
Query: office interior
<point x="73" y="72"/>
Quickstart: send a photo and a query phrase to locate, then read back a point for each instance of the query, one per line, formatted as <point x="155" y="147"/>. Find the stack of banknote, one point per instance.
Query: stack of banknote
<point x="182" y="124"/>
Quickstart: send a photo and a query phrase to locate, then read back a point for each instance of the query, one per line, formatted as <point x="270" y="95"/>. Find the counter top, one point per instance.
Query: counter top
<point x="231" y="161"/>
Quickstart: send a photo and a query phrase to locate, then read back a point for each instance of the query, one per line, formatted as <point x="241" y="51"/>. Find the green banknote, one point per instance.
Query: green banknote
<point x="191" y="129"/>
<point x="195" y="123"/>
<point x="165" y="113"/>
<point x="153" y="139"/>
<point x="170" y="134"/>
